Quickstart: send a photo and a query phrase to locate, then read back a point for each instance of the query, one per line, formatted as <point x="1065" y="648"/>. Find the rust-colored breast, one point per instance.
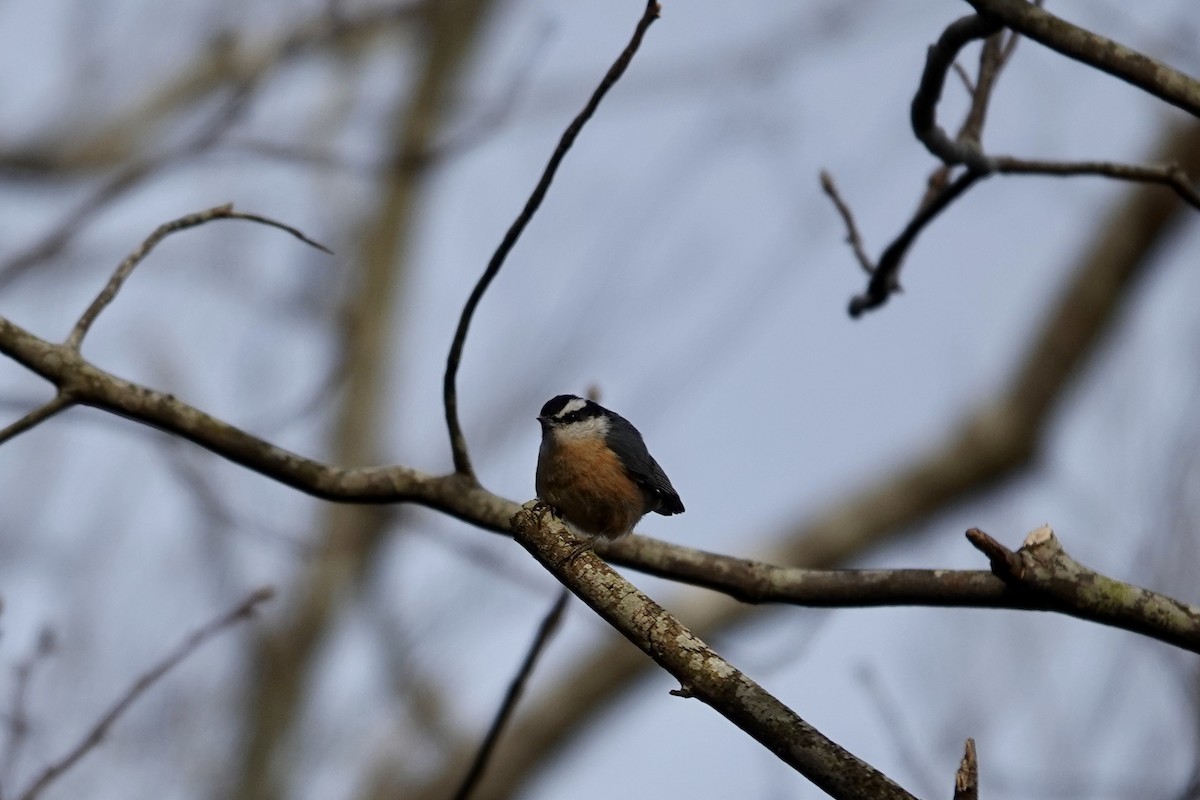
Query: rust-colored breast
<point x="589" y="487"/>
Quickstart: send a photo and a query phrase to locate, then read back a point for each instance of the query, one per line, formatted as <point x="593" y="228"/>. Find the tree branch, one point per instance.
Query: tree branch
<point x="996" y="441"/>
<point x="458" y="442"/>
<point x="515" y="689"/>
<point x="461" y="497"/>
<point x="1043" y="566"/>
<point x="241" y="612"/>
<point x="1097" y="51"/>
<point x="702" y="673"/>
<point x="126" y="267"/>
<point x="59" y="402"/>
<point x="966" y="150"/>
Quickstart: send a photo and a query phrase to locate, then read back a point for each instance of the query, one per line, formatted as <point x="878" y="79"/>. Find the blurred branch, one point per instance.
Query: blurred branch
<point x="346" y="539"/>
<point x="891" y="724"/>
<point x="1095" y="50"/>
<point x="59" y="402"/>
<point x="515" y="690"/>
<point x="18" y="712"/>
<point x="458" y="442"/>
<point x="701" y="672"/>
<point x="853" y="237"/>
<point x="228" y="61"/>
<point x="222" y="67"/>
<point x="125" y="180"/>
<point x="243" y="611"/>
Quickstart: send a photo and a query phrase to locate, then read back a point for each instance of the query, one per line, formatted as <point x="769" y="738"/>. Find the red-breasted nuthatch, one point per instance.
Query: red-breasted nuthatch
<point x="595" y="470"/>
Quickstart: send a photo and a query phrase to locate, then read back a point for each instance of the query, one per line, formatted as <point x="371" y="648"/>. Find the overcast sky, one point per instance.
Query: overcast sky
<point x="685" y="263"/>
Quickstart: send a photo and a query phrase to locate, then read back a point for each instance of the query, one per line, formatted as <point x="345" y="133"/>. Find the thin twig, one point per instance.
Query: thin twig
<point x="458" y="442"/>
<point x="886" y="278"/>
<point x="124" y="181"/>
<point x="307" y="36"/>
<point x="18" y="713"/>
<point x="1169" y="175"/>
<point x="60" y="402"/>
<point x="990" y="63"/>
<point x="515" y="689"/>
<point x="126" y="267"/>
<point x="853" y="238"/>
<point x="241" y="612"/>
<point x="966" y="149"/>
<point x="968" y="84"/>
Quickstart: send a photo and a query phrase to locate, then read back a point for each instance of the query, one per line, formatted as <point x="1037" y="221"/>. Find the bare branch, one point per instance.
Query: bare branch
<point x="126" y="179"/>
<point x="1041" y="564"/>
<point x="853" y="238"/>
<point x="18" y="714"/>
<point x="938" y="62"/>
<point x="762" y="582"/>
<point x="462" y="497"/>
<point x="126" y="267"/>
<point x="1169" y="175"/>
<point x="966" y="149"/>
<point x="991" y="60"/>
<point x="458" y="442"/>
<point x="192" y="85"/>
<point x="60" y="402"/>
<point x="241" y="611"/>
<point x="515" y="689"/>
<point x="885" y="281"/>
<point x="701" y="672"/>
<point x="1095" y="50"/>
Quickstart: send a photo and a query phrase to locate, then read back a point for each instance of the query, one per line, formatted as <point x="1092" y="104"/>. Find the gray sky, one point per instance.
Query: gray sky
<point x="687" y="264"/>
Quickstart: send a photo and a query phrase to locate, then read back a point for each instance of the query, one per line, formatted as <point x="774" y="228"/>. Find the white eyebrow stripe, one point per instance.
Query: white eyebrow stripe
<point x="571" y="406"/>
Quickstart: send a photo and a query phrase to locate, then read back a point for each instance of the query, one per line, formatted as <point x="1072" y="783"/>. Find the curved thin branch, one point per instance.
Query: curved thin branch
<point x="1154" y="77"/>
<point x="938" y="63"/>
<point x="127" y="266"/>
<point x="242" y="611"/>
<point x="701" y="672"/>
<point x="458" y="442"/>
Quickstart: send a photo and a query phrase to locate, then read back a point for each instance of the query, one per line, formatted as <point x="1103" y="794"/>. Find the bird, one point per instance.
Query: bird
<point x="594" y="470"/>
